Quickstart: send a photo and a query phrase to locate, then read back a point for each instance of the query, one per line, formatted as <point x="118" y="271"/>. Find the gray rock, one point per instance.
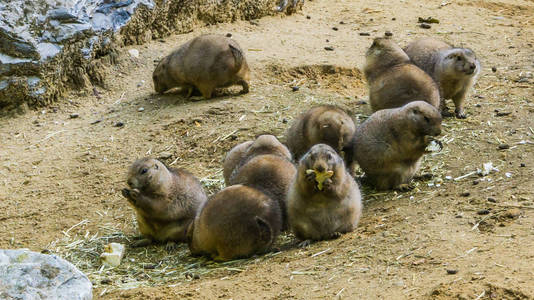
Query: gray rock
<point x="48" y="47"/>
<point x="30" y="275"/>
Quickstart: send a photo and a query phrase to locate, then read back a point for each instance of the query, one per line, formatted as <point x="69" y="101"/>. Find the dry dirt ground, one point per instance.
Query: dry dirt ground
<point x="60" y="177"/>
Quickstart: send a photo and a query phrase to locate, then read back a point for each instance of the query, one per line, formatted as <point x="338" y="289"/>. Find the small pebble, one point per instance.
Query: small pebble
<point x="361" y="102"/>
<point x="327" y="40"/>
<point x="329" y="48"/>
<point x="119" y="124"/>
<point x="478" y="105"/>
<point x="284" y="120"/>
<point x="475" y="182"/>
<point x="165" y="155"/>
<point x="504" y="146"/>
<point x="96" y="122"/>
<point x="465" y="194"/>
<point x="228" y="35"/>
<point x="365" y="34"/>
<point x="393" y="19"/>
<point x="451" y="271"/>
<point x="295" y="88"/>
<point x="308" y="17"/>
<point x="522" y="165"/>
<point x="140" y="109"/>
<point x="74" y="115"/>
<point x="341" y="22"/>
<point x="483" y="212"/>
<point x="335" y="28"/>
<point x="425" y="26"/>
<point x="133" y="53"/>
<point x="512" y="213"/>
<point x="149" y="266"/>
<point x="105" y="281"/>
<point x="494" y="69"/>
<point x="388" y="33"/>
<point x="492" y="200"/>
<point x="502" y="113"/>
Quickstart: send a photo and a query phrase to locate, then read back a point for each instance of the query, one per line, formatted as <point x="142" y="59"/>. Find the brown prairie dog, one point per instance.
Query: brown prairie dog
<point x="237" y="222"/>
<point x="165" y="200"/>
<point x="326" y="124"/>
<point x="206" y="62"/>
<point x="455" y="70"/>
<point x="393" y="80"/>
<point x="264" y="164"/>
<point x="324" y="201"/>
<point x="389" y="145"/>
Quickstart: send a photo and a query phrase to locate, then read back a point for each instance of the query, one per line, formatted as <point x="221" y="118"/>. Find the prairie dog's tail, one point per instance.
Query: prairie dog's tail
<point x="238" y="55"/>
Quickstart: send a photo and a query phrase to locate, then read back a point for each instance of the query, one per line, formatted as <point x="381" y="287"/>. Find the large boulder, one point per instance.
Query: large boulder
<point x="30" y="275"/>
<point x="48" y="47"/>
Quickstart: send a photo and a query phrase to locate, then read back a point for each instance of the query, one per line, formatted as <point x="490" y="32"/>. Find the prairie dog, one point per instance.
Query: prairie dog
<point x="206" y="62"/>
<point x="324" y="201"/>
<point x="389" y="145"/>
<point x="455" y="70"/>
<point x="270" y="174"/>
<point x="241" y="153"/>
<point x="327" y="124"/>
<point x="165" y="200"/>
<point x="393" y="80"/>
<point x="237" y="222"/>
<point x="264" y="164"/>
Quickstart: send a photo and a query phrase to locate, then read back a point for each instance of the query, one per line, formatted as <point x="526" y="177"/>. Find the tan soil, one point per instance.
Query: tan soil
<point x="56" y="172"/>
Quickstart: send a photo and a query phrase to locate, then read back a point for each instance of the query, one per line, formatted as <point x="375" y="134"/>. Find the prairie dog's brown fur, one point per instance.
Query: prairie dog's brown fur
<point x="389" y="145"/>
<point x="240" y="154"/>
<point x="205" y="62"/>
<point x="271" y="174"/>
<point x="165" y="200"/>
<point x="455" y="70"/>
<point x="317" y="215"/>
<point x="237" y="222"/>
<point x="325" y="124"/>
<point x="264" y="164"/>
<point x="393" y="80"/>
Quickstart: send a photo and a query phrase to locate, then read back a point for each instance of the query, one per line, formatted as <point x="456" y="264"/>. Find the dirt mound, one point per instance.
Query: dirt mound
<point x="472" y="291"/>
<point x="345" y="81"/>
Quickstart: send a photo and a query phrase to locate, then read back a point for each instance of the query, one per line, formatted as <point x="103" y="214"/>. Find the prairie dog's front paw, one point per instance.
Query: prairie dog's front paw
<point x="460" y="114"/>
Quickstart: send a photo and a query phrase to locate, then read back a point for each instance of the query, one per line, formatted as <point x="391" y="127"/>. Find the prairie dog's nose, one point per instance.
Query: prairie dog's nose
<point x="320" y="168"/>
<point x="472" y="66"/>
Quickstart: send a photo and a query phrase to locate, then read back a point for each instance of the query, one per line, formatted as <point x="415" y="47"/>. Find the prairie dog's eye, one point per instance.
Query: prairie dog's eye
<point x="427" y="119"/>
<point x="329" y="156"/>
<point x="143" y="171"/>
<point x="415" y="111"/>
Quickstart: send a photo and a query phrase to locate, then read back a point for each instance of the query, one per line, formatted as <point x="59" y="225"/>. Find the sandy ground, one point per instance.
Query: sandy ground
<point x="60" y="177"/>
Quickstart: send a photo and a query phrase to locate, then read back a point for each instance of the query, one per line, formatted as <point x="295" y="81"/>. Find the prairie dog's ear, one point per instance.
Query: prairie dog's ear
<point x="266" y="232"/>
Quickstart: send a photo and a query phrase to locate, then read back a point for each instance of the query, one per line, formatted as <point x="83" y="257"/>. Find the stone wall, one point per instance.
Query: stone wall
<point x="48" y="47"/>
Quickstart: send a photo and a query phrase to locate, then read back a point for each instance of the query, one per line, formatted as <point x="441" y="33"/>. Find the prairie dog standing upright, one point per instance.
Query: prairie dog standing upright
<point x="324" y="201"/>
<point x="389" y="145"/>
<point x="455" y="70"/>
<point x="165" y="200"/>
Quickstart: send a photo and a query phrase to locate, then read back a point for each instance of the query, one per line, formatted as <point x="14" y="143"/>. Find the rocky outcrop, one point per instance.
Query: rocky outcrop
<point x="50" y="46"/>
<point x="31" y="275"/>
